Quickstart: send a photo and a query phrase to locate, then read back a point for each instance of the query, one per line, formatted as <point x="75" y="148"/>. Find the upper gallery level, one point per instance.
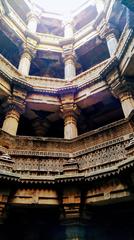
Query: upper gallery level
<point x="74" y="75"/>
<point x="89" y="34"/>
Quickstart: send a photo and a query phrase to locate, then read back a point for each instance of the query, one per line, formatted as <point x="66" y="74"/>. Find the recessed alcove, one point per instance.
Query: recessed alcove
<point x="87" y="15"/>
<point x="51" y="26"/>
<point x="22" y="12"/>
<point x="9" y="50"/>
<point x="100" y="114"/>
<point x="47" y="64"/>
<point x="90" y="53"/>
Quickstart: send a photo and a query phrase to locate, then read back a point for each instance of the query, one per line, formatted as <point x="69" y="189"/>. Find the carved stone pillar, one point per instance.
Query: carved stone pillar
<point x="11" y="121"/>
<point x="33" y="19"/>
<point x="15" y="107"/>
<point x="70" y="68"/>
<point x="111" y="43"/>
<point x="68" y="28"/>
<point x="127" y="102"/>
<point x="68" y="50"/>
<point x="69" y="59"/>
<point x="69" y="112"/>
<point x="70" y="125"/>
<point x="108" y="32"/>
<point x="72" y="216"/>
<point x="25" y="62"/>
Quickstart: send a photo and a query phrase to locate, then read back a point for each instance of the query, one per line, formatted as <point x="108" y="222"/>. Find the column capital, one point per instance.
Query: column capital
<point x="107" y="30"/>
<point x="67" y="44"/>
<point x="34" y="15"/>
<point x="28" y="51"/>
<point x="69" y="112"/>
<point x="125" y="95"/>
<point x="68" y="50"/>
<point x="68" y="20"/>
<point x="124" y="86"/>
<point x="15" y="105"/>
<point x="69" y="109"/>
<point x="17" y="101"/>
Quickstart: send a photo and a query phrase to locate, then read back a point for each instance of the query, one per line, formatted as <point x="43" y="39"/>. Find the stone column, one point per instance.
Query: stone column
<point x="68" y="51"/>
<point x="111" y="43"/>
<point x="25" y="62"/>
<point x="15" y="107"/>
<point x="107" y="31"/>
<point x="127" y="102"/>
<point x="70" y="125"/>
<point x="69" y="113"/>
<point x="70" y="68"/>
<point x="33" y="20"/>
<point x="11" y="121"/>
<point x="68" y="28"/>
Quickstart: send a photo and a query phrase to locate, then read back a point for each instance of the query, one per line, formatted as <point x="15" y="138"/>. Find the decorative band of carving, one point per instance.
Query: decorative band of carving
<point x="12" y="113"/>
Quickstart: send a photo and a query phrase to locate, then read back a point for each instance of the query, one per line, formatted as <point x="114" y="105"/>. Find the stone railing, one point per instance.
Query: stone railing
<point x="17" y="20"/>
<point x="8" y="68"/>
<point x="47" y="82"/>
<point x="89" y="75"/>
<point x="49" y="38"/>
<point x="84" y="35"/>
<point x="123" y="41"/>
<point x="52" y="83"/>
<point x="96" y="151"/>
<point x="57" y="84"/>
<point x="102" y="158"/>
<point x="49" y="42"/>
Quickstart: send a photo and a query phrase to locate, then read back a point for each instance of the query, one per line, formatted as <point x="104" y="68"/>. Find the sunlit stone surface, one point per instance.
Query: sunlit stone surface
<point x="66" y="120"/>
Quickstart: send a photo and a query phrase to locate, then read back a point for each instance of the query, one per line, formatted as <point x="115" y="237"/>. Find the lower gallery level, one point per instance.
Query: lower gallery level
<point x="78" y="189"/>
<point x="104" y="222"/>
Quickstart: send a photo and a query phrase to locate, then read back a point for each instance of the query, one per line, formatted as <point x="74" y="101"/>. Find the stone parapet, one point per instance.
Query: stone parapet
<point x="93" y="155"/>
